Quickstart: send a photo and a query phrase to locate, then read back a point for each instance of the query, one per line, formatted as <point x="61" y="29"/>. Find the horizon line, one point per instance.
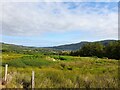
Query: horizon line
<point x="56" y="45"/>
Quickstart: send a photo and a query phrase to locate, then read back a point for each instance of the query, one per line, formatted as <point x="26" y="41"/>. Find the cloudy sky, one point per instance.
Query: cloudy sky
<point x="55" y="23"/>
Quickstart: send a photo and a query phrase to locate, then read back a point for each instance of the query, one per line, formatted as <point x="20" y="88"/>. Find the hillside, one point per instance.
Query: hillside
<point x="77" y="46"/>
<point x="25" y="49"/>
<point x="55" y="71"/>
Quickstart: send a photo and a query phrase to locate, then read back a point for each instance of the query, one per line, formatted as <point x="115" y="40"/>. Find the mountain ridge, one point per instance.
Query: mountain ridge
<point x="76" y="46"/>
<point x="69" y="47"/>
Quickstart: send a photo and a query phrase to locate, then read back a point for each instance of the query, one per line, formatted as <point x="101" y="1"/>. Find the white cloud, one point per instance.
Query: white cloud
<point x="25" y="19"/>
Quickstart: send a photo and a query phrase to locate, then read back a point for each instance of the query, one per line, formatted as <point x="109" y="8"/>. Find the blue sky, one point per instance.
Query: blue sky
<point x="44" y="24"/>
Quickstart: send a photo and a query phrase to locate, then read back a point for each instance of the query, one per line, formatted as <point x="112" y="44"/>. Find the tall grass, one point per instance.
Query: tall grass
<point x="54" y="78"/>
<point x="65" y="72"/>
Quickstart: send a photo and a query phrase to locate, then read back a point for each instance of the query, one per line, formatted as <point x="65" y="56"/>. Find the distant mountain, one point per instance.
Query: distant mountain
<point x="25" y="49"/>
<point x="69" y="47"/>
<point x="77" y="46"/>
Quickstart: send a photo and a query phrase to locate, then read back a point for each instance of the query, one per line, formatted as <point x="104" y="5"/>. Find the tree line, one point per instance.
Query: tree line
<point x="111" y="50"/>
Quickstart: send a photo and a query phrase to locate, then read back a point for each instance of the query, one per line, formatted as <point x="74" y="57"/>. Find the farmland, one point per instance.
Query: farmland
<point x="60" y="71"/>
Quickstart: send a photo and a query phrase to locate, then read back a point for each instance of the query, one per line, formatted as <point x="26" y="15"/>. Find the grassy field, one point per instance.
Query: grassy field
<point x="53" y="71"/>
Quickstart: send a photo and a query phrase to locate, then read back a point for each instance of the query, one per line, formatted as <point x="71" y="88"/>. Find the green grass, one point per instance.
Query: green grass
<point x="23" y="62"/>
<point x="64" y="72"/>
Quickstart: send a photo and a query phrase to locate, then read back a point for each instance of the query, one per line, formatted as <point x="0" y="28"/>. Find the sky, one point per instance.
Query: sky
<point x="43" y="24"/>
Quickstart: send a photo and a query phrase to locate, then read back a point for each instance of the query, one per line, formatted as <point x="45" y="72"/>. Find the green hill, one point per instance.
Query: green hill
<point x="77" y="46"/>
<point x="25" y="49"/>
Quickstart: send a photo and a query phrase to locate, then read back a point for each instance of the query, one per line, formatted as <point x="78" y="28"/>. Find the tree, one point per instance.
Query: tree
<point x="112" y="50"/>
<point x="92" y="49"/>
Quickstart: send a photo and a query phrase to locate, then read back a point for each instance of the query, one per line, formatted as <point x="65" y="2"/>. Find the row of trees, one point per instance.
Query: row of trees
<point x="112" y="50"/>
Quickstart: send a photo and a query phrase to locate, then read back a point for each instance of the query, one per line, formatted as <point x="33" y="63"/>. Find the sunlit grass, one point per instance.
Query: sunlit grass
<point x="10" y="56"/>
<point x="64" y="72"/>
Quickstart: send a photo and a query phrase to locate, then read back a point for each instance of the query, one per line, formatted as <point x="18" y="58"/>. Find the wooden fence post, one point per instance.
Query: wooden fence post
<point x="33" y="83"/>
<point x="6" y="66"/>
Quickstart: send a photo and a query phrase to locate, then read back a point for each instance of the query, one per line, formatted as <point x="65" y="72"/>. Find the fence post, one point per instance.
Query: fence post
<point x="6" y="66"/>
<point x="33" y="84"/>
